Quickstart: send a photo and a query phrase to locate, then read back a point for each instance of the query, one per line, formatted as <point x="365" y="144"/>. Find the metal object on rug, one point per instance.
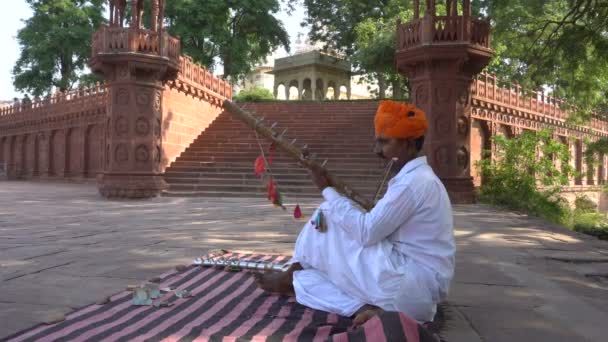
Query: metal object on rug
<point x="235" y="264"/>
<point x="145" y="293"/>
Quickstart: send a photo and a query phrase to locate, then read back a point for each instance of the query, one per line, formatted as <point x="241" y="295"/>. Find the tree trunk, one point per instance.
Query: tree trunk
<point x="397" y="91"/>
<point x="381" y="86"/>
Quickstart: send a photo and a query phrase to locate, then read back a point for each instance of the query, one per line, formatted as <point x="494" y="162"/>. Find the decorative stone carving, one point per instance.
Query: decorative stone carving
<point x="463" y="98"/>
<point x="442" y="125"/>
<point x="422" y="95"/>
<point x="121" y="126"/>
<point x="142" y="126"/>
<point x="158" y="155"/>
<point x="122" y="97"/>
<point x="442" y="156"/>
<point x="462" y="158"/>
<point x="142" y="154"/>
<point x="157" y="100"/>
<point x="157" y="128"/>
<point x="142" y="98"/>
<point x="123" y="72"/>
<point x="121" y="153"/>
<point x="443" y="94"/>
<point x="463" y="126"/>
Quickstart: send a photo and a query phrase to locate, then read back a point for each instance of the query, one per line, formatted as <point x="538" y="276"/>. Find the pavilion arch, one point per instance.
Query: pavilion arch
<point x="306" y="89"/>
<point x="281" y="92"/>
<point x="294" y="90"/>
<point x="343" y="93"/>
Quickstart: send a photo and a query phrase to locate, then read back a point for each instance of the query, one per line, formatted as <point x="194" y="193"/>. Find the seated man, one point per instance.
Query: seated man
<point x="397" y="257"/>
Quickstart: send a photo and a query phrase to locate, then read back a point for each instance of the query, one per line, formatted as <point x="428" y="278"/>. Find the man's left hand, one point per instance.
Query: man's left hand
<point x="319" y="177"/>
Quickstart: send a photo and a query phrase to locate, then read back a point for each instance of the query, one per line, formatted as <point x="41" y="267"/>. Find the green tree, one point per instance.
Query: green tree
<point x="375" y="40"/>
<point x="558" y="44"/>
<point x="238" y="33"/>
<point x="362" y="29"/>
<point x="365" y="30"/>
<point x="55" y="44"/>
<point x="254" y="94"/>
<point x="523" y="175"/>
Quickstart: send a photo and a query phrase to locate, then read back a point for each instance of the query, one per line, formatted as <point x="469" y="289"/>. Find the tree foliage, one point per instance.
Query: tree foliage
<point x="237" y="33"/>
<point x="254" y="94"/>
<point x="558" y="44"/>
<point x="522" y="175"/>
<point x="362" y="29"/>
<point x="55" y="44"/>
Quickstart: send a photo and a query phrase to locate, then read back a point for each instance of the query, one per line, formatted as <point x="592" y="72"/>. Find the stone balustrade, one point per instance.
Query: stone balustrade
<point x="78" y="100"/>
<point x="442" y="29"/>
<point x="63" y="136"/>
<point x="196" y="75"/>
<point x="112" y="40"/>
<point x="530" y="107"/>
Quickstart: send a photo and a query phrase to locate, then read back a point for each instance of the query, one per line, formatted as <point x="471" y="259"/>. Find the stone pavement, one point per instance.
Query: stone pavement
<point x="62" y="246"/>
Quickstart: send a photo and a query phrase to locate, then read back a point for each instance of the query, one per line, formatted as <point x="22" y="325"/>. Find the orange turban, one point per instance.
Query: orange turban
<point x="400" y="120"/>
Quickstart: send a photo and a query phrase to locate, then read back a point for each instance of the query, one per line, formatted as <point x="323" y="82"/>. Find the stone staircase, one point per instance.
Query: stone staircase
<point x="220" y="161"/>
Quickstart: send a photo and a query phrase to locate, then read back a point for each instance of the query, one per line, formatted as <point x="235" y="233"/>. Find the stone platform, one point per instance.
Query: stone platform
<point x="62" y="246"/>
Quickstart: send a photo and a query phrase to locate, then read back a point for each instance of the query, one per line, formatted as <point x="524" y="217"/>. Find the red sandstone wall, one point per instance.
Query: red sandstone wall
<point x="59" y="137"/>
<point x="185" y="116"/>
<point x="478" y="137"/>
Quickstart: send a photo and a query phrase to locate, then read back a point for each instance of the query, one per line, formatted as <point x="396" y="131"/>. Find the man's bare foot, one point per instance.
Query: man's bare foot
<point x="365" y="313"/>
<point x="278" y="282"/>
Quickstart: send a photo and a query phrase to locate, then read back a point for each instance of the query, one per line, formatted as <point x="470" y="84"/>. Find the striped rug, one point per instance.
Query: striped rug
<point x="225" y="306"/>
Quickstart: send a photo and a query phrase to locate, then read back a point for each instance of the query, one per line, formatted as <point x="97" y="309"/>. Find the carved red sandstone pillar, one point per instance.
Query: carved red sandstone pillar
<point x="43" y="154"/>
<point x="132" y="151"/>
<point x="440" y="56"/>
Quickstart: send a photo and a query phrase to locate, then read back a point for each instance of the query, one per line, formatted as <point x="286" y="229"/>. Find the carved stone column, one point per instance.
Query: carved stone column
<point x="132" y="151"/>
<point x="440" y="70"/>
<point x="43" y="154"/>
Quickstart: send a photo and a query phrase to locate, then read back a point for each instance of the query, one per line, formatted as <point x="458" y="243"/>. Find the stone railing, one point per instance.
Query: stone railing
<point x="120" y="39"/>
<point x="443" y="29"/>
<point x="197" y="75"/>
<point x="512" y="96"/>
<point x="77" y="100"/>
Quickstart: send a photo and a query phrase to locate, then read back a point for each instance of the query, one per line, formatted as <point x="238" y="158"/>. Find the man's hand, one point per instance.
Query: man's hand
<point x="319" y="177"/>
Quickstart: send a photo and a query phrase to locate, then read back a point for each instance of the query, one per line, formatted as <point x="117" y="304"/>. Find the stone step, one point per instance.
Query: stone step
<point x="225" y="194"/>
<point x="257" y="188"/>
<point x="254" y="148"/>
<point x="368" y="182"/>
<point x="250" y="157"/>
<point x="334" y="165"/>
<point x="296" y="174"/>
<point x="220" y="161"/>
<point x="246" y="169"/>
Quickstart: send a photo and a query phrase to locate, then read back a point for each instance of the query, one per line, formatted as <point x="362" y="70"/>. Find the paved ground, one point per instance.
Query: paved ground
<point x="62" y="247"/>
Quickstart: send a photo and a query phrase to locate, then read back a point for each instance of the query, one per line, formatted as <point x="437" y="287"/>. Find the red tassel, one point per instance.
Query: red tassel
<point x="271" y="189"/>
<point x="259" y="166"/>
<point x="297" y="212"/>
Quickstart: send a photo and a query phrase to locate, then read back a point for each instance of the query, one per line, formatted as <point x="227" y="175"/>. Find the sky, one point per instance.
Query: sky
<point x="15" y="11"/>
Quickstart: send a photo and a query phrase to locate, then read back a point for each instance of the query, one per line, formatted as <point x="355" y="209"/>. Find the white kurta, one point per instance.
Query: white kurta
<point x="399" y="256"/>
